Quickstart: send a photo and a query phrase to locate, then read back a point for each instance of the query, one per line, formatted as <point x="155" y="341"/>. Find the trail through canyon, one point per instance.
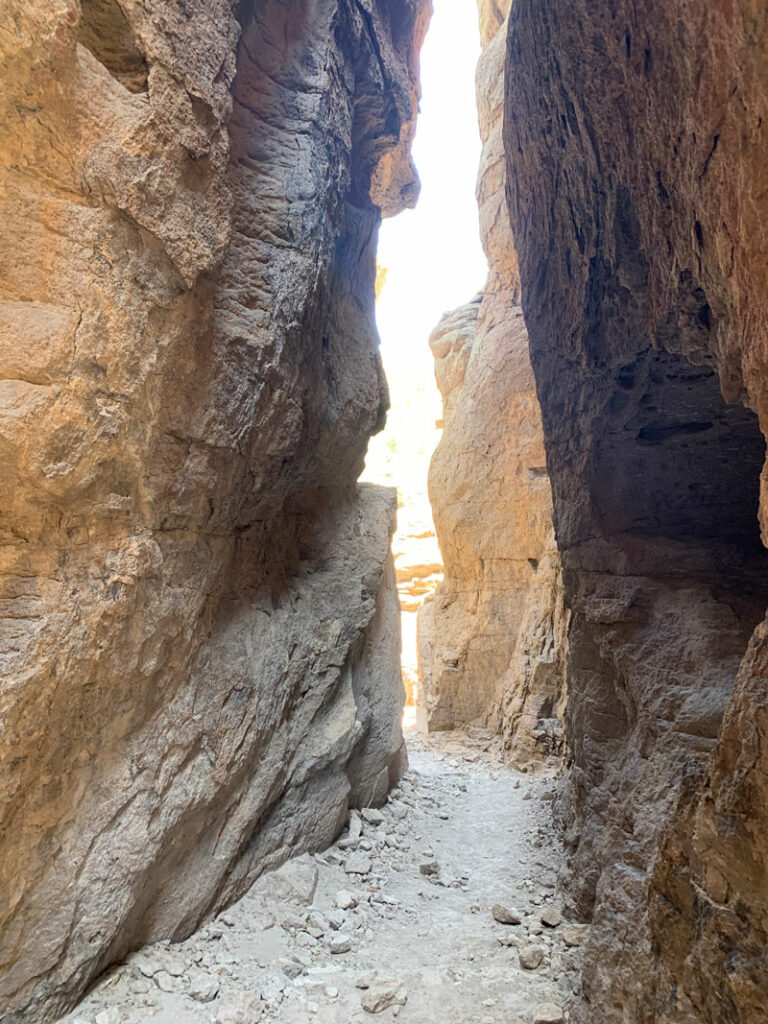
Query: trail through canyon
<point x="410" y="915"/>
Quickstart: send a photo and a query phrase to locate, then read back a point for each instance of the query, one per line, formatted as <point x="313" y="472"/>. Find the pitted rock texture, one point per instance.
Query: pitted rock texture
<point x="635" y="135"/>
<point x="198" y="633"/>
<point x="492" y="641"/>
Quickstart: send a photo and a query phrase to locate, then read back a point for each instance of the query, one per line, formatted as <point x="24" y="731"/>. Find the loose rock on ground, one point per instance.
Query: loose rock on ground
<point x="361" y="931"/>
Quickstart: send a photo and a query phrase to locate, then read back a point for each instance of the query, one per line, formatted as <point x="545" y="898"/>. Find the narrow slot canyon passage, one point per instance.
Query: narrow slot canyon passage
<point x="444" y="903"/>
<point x="383" y="528"/>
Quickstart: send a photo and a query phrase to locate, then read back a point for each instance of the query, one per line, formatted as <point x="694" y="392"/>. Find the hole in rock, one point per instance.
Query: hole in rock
<point x="104" y="29"/>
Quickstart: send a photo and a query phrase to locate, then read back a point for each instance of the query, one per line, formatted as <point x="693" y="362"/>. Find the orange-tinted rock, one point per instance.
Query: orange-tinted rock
<point x="492" y="640"/>
<point x="198" y="627"/>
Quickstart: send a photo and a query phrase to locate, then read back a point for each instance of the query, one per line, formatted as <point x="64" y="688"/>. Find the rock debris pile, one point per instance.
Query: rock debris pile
<point x="441" y="906"/>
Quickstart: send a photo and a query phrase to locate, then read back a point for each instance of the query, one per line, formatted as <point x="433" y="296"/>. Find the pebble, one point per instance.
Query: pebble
<point x="548" y="1013"/>
<point x="372" y="816"/>
<point x="345" y="900"/>
<point x="164" y="981"/>
<point x="336" y="919"/>
<point x="110" y="1016"/>
<point x="290" y="967"/>
<point x="531" y="957"/>
<point x="358" y="864"/>
<point x="203" y="987"/>
<point x="340" y="943"/>
<point x="573" y="934"/>
<point x="239" y="1008"/>
<point x="429" y="867"/>
<point x="551" y="917"/>
<point x="383" y="994"/>
<point x="504" y="915"/>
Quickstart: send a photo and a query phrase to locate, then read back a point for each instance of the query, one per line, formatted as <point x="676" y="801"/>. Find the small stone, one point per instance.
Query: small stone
<point x="551" y="917"/>
<point x="272" y="988"/>
<point x="336" y="919"/>
<point x="239" y="1008"/>
<point x="340" y="943"/>
<point x="548" y="1013"/>
<point x="110" y="1016"/>
<point x="203" y="987"/>
<point x="332" y="992"/>
<point x="383" y="994"/>
<point x="345" y="900"/>
<point x="358" y="864"/>
<point x="355" y="827"/>
<point x="531" y="957"/>
<point x="429" y="867"/>
<point x="527" y="795"/>
<point x="365" y="980"/>
<point x="372" y="816"/>
<point x="505" y="915"/>
<point x="573" y="934"/>
<point x="147" y="965"/>
<point x="292" y="968"/>
<point x="164" y="981"/>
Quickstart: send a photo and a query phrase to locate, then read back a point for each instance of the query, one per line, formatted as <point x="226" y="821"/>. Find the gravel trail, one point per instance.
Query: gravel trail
<point x="409" y="917"/>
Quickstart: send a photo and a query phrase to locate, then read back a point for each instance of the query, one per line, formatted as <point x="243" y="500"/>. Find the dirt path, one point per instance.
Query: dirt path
<point x="405" y="909"/>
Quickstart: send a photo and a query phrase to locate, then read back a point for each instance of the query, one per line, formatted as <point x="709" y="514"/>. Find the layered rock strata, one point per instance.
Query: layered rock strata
<point x="492" y="640"/>
<point x="198" y="621"/>
<point x="635" y="136"/>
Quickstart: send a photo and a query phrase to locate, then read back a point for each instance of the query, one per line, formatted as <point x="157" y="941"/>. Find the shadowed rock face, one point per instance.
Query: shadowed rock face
<point x="492" y="641"/>
<point x="636" y="146"/>
<point x="199" y="641"/>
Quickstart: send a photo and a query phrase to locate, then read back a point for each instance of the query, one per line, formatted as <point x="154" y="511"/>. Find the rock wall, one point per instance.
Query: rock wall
<point x="492" y="640"/>
<point x="635" y="136"/>
<point x="198" y="623"/>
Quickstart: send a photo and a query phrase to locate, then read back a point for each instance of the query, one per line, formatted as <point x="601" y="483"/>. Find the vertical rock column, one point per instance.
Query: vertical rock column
<point x="492" y="640"/>
<point x="635" y="135"/>
<point x="198" y="637"/>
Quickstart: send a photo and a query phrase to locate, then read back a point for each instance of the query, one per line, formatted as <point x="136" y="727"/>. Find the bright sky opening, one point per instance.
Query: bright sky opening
<point x="432" y="255"/>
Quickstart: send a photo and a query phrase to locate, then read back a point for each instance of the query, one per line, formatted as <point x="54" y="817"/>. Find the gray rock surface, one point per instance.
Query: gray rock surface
<point x="636" y="147"/>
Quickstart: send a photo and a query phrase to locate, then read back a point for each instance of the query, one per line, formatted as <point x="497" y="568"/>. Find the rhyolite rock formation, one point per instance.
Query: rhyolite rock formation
<point x="199" y="645"/>
<point x="635" y="136"/>
<point x="492" y="639"/>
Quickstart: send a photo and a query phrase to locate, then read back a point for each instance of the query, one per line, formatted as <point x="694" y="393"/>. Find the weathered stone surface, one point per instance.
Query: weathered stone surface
<point x="636" y="140"/>
<point x="198" y="632"/>
<point x="492" y="639"/>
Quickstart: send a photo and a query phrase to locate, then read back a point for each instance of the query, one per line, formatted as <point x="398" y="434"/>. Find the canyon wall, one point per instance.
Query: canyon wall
<point x="492" y="640"/>
<point x="635" y="136"/>
<point x="199" y="638"/>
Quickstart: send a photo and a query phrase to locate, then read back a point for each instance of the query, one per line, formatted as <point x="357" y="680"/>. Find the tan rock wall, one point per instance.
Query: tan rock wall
<point x="493" y="638"/>
<point x="198" y="642"/>
<point x="636" y="143"/>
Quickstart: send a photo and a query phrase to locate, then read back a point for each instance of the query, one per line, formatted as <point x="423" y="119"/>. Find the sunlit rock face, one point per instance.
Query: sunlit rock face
<point x="492" y="640"/>
<point x="635" y="136"/>
<point x="198" y="624"/>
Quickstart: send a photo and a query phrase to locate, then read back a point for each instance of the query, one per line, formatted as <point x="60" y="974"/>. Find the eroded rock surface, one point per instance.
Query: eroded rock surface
<point x="199" y="633"/>
<point x="492" y="640"/>
<point x="636" y="140"/>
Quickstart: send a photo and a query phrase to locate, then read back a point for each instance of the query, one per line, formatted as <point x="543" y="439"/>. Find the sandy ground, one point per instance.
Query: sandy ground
<point x="460" y="834"/>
